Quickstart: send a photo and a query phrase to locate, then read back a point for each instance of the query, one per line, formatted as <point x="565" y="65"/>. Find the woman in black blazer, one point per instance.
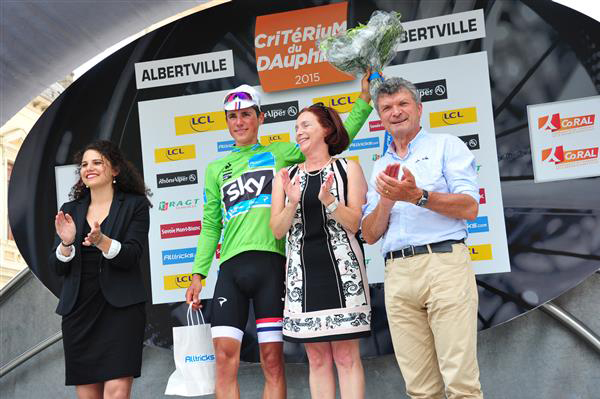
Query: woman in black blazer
<point x="101" y="235"/>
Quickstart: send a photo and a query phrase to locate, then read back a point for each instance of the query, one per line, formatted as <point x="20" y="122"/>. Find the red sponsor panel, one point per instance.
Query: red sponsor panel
<point x="218" y="252"/>
<point x="555" y="123"/>
<point x="558" y="155"/>
<point x="375" y="126"/>
<point x="182" y="229"/>
<point x="482" y="199"/>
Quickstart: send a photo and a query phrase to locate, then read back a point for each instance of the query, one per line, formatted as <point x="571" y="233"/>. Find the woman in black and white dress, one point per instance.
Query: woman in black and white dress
<point x="327" y="305"/>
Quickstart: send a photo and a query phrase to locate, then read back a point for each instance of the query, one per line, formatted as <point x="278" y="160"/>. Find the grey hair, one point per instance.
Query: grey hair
<point x="393" y="85"/>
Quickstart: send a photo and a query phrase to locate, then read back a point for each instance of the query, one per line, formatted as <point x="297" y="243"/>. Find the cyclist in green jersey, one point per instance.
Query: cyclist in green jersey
<point x="237" y="205"/>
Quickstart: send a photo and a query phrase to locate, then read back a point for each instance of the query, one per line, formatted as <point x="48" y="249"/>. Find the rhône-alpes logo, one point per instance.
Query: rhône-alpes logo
<point x="556" y="125"/>
<point x="567" y="158"/>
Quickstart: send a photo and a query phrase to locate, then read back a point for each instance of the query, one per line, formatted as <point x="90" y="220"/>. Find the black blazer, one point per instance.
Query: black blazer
<point x="128" y="222"/>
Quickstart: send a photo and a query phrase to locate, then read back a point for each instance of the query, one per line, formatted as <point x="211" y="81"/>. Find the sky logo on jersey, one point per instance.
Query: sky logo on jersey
<point x="453" y="117"/>
<point x="252" y="189"/>
<point x="480" y="252"/>
<point x="471" y="140"/>
<point x="275" y="138"/>
<point x="174" y="153"/>
<point x="479" y="225"/>
<point x="177" y="281"/>
<point x="556" y="124"/>
<point x="176" y="256"/>
<point x="375" y="126"/>
<point x="342" y="103"/>
<point x="363" y="144"/>
<point x="482" y="199"/>
<point x="183" y="229"/>
<point x="225" y="145"/>
<point x="561" y="158"/>
<point x="261" y="160"/>
<point x="199" y="123"/>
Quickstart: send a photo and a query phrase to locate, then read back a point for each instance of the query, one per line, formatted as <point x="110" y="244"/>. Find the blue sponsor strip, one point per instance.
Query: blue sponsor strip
<point x="244" y="206"/>
<point x="386" y="142"/>
<point x="225" y="145"/>
<point x="261" y="160"/>
<point x="479" y="225"/>
<point x="363" y="144"/>
<point x="175" y="256"/>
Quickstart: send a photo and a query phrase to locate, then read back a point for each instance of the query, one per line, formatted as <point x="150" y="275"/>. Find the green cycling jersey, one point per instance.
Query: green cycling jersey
<point x="237" y="196"/>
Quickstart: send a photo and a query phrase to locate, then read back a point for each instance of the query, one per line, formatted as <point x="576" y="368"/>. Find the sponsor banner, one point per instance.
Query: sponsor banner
<point x="479" y="225"/>
<point x="176" y="256"/>
<point x="286" y="55"/>
<point x="435" y="31"/>
<point x="480" y="252"/>
<point x="453" y="117"/>
<point x="363" y="144"/>
<point x="375" y="126"/>
<point x="177" y="281"/>
<point x="342" y="103"/>
<point x="199" y="123"/>
<point x="280" y="112"/>
<point x="182" y="229"/>
<point x="564" y="139"/>
<point x="274" y="138"/>
<point x="174" y="153"/>
<point x="225" y="145"/>
<point x="432" y="90"/>
<point x="182" y="178"/>
<point x="192" y="68"/>
<point x="471" y="140"/>
<point x="188" y="203"/>
<point x="482" y="199"/>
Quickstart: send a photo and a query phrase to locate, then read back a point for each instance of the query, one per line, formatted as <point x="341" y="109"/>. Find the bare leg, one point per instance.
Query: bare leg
<point x="271" y="361"/>
<point x="346" y="355"/>
<point x="119" y="388"/>
<point x="89" y="391"/>
<point x="227" y="352"/>
<point x="320" y="362"/>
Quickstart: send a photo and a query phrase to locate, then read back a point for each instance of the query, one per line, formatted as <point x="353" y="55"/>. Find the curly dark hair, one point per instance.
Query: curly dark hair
<point x="129" y="180"/>
<point x="337" y="137"/>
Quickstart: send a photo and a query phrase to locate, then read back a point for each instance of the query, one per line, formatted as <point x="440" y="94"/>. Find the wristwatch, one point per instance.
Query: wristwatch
<point x="333" y="206"/>
<point x="424" y="198"/>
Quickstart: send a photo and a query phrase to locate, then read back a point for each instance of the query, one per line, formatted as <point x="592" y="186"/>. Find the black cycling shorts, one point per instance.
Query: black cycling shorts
<point x="256" y="275"/>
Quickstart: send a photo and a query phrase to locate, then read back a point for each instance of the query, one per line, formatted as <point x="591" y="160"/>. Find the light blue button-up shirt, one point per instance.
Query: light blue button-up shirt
<point x="440" y="163"/>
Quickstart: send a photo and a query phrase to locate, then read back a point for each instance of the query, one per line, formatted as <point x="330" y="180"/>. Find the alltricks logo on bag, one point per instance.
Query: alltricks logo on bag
<point x="363" y="144"/>
<point x="178" y="204"/>
<point x="342" y="103"/>
<point x="171" y="154"/>
<point x="182" y="178"/>
<point x="285" y="50"/>
<point x="471" y="140"/>
<point x="274" y="138"/>
<point x="177" y="281"/>
<point x="453" y="117"/>
<point x="199" y="123"/>
<point x="375" y="126"/>
<point x="557" y="125"/>
<point x="280" y="112"/>
<point x="480" y="252"/>
<point x="479" y="225"/>
<point x="432" y="90"/>
<point x="482" y="199"/>
<point x="199" y="358"/>
<point x="570" y="158"/>
<point x="177" y="256"/>
<point x="183" y="229"/>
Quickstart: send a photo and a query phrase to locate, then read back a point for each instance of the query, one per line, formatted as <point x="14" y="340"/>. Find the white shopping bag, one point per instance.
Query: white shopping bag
<point x="194" y="354"/>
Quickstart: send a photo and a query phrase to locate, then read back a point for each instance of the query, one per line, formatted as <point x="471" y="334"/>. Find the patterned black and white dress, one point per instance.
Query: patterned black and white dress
<point x="327" y="292"/>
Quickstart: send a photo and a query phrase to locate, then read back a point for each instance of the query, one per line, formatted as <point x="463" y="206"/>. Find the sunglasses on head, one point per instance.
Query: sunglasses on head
<point x="242" y="95"/>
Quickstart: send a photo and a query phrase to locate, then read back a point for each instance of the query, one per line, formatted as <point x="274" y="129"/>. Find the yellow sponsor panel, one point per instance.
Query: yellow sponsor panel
<point x="341" y="102"/>
<point x="176" y="281"/>
<point x="453" y="117"/>
<point x="353" y="157"/>
<point x="174" y="153"/>
<point x="198" y="123"/>
<point x="275" y="138"/>
<point x="480" y="252"/>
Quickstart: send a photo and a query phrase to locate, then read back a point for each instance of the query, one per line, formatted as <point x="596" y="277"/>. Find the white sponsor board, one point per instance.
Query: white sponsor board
<point x="191" y="68"/>
<point x="446" y="29"/>
<point x="465" y="84"/>
<point x="565" y="139"/>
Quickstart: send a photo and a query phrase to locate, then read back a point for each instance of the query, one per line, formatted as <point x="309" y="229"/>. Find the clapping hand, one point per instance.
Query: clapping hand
<point x="291" y="188"/>
<point x="325" y="195"/>
<point x="392" y="189"/>
<point x="94" y="236"/>
<point x="65" y="227"/>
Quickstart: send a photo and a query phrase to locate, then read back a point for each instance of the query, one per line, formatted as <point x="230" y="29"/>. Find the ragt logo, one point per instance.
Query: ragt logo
<point x="555" y="124"/>
<point x="558" y="156"/>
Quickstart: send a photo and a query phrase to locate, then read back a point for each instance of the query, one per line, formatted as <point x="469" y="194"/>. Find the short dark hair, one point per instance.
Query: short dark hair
<point x="337" y="137"/>
<point x="254" y="107"/>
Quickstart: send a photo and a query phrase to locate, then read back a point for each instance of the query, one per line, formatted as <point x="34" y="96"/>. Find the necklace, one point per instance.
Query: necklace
<point x="318" y="172"/>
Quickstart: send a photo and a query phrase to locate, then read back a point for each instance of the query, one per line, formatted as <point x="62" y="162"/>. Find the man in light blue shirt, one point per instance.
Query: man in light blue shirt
<point x="421" y="193"/>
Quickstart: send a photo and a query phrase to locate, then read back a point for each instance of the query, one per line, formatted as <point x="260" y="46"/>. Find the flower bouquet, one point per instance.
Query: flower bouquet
<point x="371" y="46"/>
